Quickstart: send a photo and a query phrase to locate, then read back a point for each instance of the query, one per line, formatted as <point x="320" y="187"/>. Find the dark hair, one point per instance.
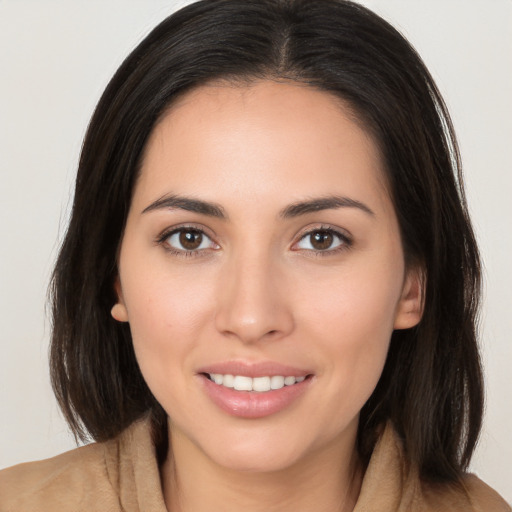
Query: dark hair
<point x="431" y="386"/>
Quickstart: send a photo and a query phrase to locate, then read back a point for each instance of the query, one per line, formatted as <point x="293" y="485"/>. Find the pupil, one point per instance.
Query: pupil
<point x="322" y="240"/>
<point x="190" y="239"/>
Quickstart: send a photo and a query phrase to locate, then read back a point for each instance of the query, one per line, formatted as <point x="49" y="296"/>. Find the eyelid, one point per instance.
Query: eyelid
<point x="340" y="233"/>
<point x="168" y="232"/>
<point x="343" y="235"/>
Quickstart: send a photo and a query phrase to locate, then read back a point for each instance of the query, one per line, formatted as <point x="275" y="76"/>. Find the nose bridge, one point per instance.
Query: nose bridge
<point x="252" y="302"/>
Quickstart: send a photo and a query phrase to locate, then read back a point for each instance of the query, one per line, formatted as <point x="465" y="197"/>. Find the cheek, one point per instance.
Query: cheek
<point x="352" y="320"/>
<point x="361" y="300"/>
<point x="167" y="312"/>
<point x="161" y="293"/>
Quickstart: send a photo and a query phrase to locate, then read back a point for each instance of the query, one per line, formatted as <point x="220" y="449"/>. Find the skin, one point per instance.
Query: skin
<point x="258" y="288"/>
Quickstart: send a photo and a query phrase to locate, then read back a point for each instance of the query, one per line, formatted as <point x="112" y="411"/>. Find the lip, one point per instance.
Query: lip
<point x="253" y="404"/>
<point x="254" y="369"/>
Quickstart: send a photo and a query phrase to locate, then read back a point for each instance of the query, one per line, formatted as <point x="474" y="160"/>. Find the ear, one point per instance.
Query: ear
<point x="119" y="311"/>
<point x="410" y="307"/>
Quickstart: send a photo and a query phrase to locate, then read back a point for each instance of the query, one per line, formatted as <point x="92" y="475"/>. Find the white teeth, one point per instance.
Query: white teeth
<point x="243" y="383"/>
<point x="276" y="382"/>
<point x="259" y="384"/>
<point x="228" y="381"/>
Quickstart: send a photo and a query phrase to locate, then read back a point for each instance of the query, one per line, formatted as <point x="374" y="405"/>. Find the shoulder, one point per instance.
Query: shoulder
<point x="391" y="482"/>
<point x="64" y="482"/>
<point x="471" y="495"/>
<point x="483" y="497"/>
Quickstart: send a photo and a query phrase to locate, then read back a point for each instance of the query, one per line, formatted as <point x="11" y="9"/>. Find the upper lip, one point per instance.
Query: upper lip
<point x="253" y="369"/>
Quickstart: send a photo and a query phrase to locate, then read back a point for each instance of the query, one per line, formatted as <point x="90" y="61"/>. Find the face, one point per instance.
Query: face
<point x="262" y="273"/>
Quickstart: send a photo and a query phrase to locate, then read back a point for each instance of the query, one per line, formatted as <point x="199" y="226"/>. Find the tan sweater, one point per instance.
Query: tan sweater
<point x="122" y="475"/>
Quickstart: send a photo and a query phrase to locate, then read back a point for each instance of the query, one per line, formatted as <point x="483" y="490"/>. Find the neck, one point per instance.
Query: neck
<point x="326" y="481"/>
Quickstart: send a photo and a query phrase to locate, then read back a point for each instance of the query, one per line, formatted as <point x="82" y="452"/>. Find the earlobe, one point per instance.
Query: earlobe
<point x="410" y="308"/>
<point x="118" y="310"/>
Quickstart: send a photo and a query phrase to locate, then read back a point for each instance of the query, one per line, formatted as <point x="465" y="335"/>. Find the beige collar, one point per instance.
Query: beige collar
<point x="388" y="485"/>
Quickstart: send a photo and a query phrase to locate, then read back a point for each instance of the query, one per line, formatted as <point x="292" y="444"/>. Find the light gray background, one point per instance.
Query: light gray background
<point x="55" y="59"/>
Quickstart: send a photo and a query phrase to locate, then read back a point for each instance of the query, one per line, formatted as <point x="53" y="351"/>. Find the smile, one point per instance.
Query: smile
<point x="258" y="384"/>
<point x="254" y="397"/>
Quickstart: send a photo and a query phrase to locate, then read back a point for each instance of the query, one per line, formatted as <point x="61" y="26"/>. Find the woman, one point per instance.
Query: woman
<point x="269" y="282"/>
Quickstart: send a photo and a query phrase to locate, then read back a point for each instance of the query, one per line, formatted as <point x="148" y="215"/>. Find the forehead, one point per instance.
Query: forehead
<point x="262" y="139"/>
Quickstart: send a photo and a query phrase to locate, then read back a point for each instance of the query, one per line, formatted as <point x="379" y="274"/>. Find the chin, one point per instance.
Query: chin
<point x="259" y="449"/>
<point x="246" y="460"/>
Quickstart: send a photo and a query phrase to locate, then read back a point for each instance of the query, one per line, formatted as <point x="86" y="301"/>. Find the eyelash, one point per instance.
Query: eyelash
<point x="345" y="241"/>
<point x="182" y="253"/>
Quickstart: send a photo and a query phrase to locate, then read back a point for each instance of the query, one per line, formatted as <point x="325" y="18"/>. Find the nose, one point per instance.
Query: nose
<point x="253" y="304"/>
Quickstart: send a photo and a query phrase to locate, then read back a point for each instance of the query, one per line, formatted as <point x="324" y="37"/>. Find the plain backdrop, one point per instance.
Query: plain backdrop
<point x="56" y="58"/>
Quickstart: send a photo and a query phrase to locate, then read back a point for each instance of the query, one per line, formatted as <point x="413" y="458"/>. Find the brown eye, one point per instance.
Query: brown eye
<point x="190" y="240"/>
<point x="321" y="240"/>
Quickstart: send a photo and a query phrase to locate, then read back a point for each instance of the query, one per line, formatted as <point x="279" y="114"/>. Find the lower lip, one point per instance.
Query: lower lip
<point x="253" y="404"/>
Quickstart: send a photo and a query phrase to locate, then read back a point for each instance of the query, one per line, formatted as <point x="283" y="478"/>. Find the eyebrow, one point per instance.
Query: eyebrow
<point x="323" y="203"/>
<point x="189" y="204"/>
<point x="291" y="211"/>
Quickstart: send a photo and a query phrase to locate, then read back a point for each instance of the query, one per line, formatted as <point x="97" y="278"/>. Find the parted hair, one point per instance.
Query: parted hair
<point x="431" y="386"/>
